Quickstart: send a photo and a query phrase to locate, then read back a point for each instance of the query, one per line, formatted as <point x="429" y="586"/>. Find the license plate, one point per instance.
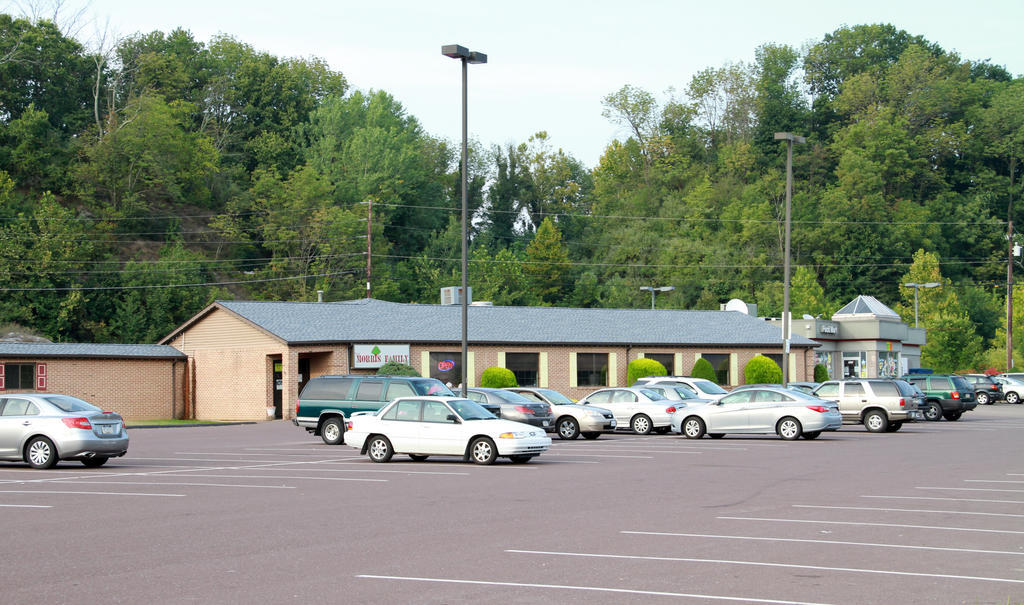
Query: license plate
<point x="107" y="429"/>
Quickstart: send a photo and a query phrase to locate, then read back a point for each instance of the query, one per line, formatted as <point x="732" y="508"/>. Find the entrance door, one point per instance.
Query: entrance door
<point x="278" y="388"/>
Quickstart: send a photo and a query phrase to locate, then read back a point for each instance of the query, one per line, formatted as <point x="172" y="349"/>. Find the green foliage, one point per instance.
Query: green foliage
<point x="496" y="377"/>
<point x="395" y="368"/>
<point x="638" y="368"/>
<point x="702" y="368"/>
<point x="548" y="263"/>
<point x="820" y="373"/>
<point x="762" y="370"/>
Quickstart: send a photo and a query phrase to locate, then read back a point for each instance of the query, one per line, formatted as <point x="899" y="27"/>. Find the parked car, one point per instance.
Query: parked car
<point x="677" y="393"/>
<point x="705" y="389"/>
<point x="946" y="395"/>
<point x="638" y="408"/>
<point x="806" y="387"/>
<point x="787" y="413"/>
<point x="43" y="429"/>
<point x="987" y="389"/>
<point x="880" y="404"/>
<point x="571" y="419"/>
<point x="327" y="401"/>
<point x="514" y="406"/>
<point x="1013" y="388"/>
<point x="443" y="426"/>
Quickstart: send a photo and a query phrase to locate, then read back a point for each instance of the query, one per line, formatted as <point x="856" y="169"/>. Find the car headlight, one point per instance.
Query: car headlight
<point x="515" y="435"/>
<point x="594" y="414"/>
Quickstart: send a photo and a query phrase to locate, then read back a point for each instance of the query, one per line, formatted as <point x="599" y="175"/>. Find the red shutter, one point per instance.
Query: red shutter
<point x="40" y="376"/>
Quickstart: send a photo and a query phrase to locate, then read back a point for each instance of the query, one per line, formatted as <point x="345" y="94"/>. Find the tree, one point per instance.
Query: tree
<point x="762" y="370"/>
<point x="496" y="377"/>
<point x="702" y="368"/>
<point x="807" y="295"/>
<point x="639" y="368"/>
<point x="636" y="109"/>
<point x="547" y="264"/>
<point x="395" y="368"/>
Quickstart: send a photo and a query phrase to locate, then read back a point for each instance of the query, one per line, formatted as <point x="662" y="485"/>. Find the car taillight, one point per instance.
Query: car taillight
<point x="817" y="408"/>
<point x="903" y="402"/>
<point x="955" y="394"/>
<point x="995" y="387"/>
<point x="296" y="407"/>
<point x="77" y="423"/>
<point x="670" y="409"/>
<point x="524" y="410"/>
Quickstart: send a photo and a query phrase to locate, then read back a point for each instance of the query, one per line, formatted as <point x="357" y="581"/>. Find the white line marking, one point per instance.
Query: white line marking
<point x="949" y="499"/>
<point x="764" y="564"/>
<point x="182" y="483"/>
<point x="297" y="477"/>
<point x="992" y="481"/>
<point x="644" y="450"/>
<point x="47" y="491"/>
<point x="586" y="588"/>
<point x="907" y="510"/>
<point x="25" y="506"/>
<point x="991" y="531"/>
<point x="598" y="456"/>
<point x="839" y="542"/>
<point x="976" y="489"/>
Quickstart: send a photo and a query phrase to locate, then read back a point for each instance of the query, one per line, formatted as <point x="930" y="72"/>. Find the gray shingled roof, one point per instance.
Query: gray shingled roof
<point x="371" y="320"/>
<point x="866" y="305"/>
<point x="38" y="349"/>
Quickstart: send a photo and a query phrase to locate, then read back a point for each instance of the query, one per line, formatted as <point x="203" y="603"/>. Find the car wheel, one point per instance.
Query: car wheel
<point x="693" y="428"/>
<point x="1012" y="397"/>
<point x="333" y="431"/>
<point x="418" y="457"/>
<point x="876" y="422"/>
<point x="482" y="451"/>
<point x="933" y="411"/>
<point x="716" y="435"/>
<point x="95" y="461"/>
<point x="568" y="428"/>
<point x="894" y="426"/>
<point x="40" y="453"/>
<point x="789" y="428"/>
<point x="983" y="398"/>
<point x="811" y="435"/>
<point x="591" y="435"/>
<point x="952" y="416"/>
<point x="641" y="424"/>
<point x="520" y="459"/>
<point x="379" y="449"/>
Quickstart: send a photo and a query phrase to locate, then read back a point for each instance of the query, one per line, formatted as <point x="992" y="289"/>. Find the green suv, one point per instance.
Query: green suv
<point x="326" y="401"/>
<point x="945" y="395"/>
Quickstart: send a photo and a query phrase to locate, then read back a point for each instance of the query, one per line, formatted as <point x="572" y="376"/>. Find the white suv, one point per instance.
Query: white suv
<point x="704" y="388"/>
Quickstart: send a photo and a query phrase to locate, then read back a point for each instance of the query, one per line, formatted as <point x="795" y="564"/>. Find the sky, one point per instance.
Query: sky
<point x="550" y="63"/>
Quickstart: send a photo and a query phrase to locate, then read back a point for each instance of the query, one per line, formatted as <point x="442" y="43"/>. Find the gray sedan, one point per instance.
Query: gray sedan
<point x="789" y="414"/>
<point x="571" y="420"/>
<point x="42" y="429"/>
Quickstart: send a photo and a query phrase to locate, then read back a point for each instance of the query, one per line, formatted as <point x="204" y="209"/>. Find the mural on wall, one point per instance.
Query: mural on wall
<point x="888" y="365"/>
<point x="825" y="359"/>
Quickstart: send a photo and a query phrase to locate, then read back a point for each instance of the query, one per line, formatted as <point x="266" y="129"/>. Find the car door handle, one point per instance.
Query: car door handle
<point x="27" y="423"/>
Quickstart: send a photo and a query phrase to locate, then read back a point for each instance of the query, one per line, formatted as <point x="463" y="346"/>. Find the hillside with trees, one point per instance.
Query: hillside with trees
<point x="141" y="181"/>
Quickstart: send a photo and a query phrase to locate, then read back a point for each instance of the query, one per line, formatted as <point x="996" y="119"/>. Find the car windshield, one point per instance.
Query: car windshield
<point x="709" y="387"/>
<point x="431" y="386"/>
<point x="652" y="395"/>
<point x="470" y="410"/>
<point x="510" y="397"/>
<point x="801" y="395"/>
<point x="685" y="393"/>
<point x="555" y="396"/>
<point x="71" y="404"/>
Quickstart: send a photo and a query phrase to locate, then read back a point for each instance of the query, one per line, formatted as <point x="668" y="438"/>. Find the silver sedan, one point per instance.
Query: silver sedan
<point x="789" y="414"/>
<point x="42" y="429"/>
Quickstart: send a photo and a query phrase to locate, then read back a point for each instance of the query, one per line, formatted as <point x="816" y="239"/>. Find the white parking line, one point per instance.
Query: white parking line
<point x="587" y="588"/>
<point x="25" y="506"/>
<point x="948" y="499"/>
<point x="646" y="450"/>
<point x="767" y="564"/>
<point x="48" y="491"/>
<point x="182" y="483"/>
<point x="992" y="481"/>
<point x="990" y="531"/>
<point x="838" y="542"/>
<point x="907" y="510"/>
<point x="574" y="455"/>
<point x="294" y="477"/>
<point x="975" y="489"/>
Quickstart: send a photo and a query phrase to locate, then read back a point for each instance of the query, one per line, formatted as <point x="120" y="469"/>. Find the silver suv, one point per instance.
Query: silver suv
<point x="705" y="389"/>
<point x="880" y="404"/>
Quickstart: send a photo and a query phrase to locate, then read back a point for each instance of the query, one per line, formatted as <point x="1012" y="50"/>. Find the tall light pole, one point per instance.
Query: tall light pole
<point x="652" y="290"/>
<point x="454" y="51"/>
<point x="916" y="287"/>
<point x="790" y="138"/>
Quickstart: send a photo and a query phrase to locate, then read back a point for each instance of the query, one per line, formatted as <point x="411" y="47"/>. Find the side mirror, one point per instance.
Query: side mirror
<point x="453" y="418"/>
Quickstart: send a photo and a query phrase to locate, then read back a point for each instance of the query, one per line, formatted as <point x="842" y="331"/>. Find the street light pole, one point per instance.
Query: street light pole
<point x="790" y="138"/>
<point x="652" y="290"/>
<point x="454" y="51"/>
<point x="916" y="286"/>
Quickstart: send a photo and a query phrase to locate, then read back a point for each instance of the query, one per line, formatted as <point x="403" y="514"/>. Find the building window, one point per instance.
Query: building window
<point x="666" y="359"/>
<point x="776" y="357"/>
<point x="446" y="367"/>
<point x="524" y="366"/>
<point x="888" y="364"/>
<point x="719" y="361"/>
<point x="592" y="369"/>
<point x="19" y="376"/>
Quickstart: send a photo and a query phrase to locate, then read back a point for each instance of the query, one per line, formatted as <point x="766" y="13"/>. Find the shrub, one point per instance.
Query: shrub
<point x="704" y="369"/>
<point x="638" y="368"/>
<point x="762" y="370"/>
<point x="496" y="377"/>
<point x="820" y="373"/>
<point x="394" y="368"/>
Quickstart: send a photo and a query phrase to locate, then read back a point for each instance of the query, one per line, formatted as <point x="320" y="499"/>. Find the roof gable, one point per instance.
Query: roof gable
<point x="866" y="306"/>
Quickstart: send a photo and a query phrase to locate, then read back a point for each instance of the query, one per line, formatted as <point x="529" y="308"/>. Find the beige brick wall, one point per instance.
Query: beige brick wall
<point x="138" y="389"/>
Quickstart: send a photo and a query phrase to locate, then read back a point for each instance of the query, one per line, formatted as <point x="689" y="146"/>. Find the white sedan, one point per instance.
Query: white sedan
<point x="443" y="426"/>
<point x="787" y="413"/>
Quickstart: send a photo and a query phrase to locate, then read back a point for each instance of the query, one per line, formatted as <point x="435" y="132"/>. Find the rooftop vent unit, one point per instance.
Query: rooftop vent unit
<point x="452" y="295"/>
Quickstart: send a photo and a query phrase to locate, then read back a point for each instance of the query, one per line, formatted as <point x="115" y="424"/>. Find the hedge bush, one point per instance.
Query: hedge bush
<point x="638" y="368"/>
<point x="704" y="369"/>
<point x="394" y="368"/>
<point x="762" y="370"/>
<point x="820" y="373"/>
<point x="496" y="377"/>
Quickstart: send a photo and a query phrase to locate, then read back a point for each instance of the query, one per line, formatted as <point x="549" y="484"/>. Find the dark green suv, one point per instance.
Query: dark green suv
<point x="326" y="401"/>
<point x="946" y="395"/>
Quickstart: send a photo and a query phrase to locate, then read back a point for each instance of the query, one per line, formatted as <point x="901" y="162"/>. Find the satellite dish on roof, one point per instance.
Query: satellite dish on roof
<point x="737" y="305"/>
<point x="806" y="316"/>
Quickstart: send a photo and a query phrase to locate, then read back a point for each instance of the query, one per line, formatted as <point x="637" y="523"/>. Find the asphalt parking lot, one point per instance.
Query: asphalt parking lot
<point x="265" y="513"/>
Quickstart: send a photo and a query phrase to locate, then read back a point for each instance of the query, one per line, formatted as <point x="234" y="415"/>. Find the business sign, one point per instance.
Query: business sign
<point x="374" y="356"/>
<point x="445" y="366"/>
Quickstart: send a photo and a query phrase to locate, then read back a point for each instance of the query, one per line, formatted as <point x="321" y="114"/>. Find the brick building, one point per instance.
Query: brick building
<point x="249" y="360"/>
<point x="138" y="381"/>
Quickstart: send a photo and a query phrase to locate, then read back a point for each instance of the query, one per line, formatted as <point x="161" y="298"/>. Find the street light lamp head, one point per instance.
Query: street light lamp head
<point x="455" y="51"/>
<point x="788" y="136"/>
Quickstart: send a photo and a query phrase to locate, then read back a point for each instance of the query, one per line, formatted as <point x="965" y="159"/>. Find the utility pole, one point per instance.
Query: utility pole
<point x="369" y="243"/>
